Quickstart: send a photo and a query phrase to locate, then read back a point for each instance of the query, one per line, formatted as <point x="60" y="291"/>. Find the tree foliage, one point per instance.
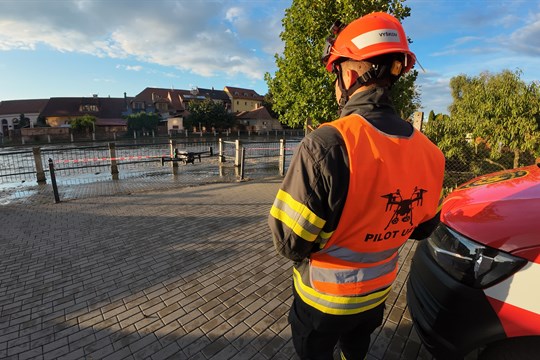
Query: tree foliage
<point x="42" y="121"/>
<point x="500" y="111"/>
<point x="23" y="122"/>
<point x="268" y="103"/>
<point x="301" y="87"/>
<point x="143" y="121"/>
<point x="83" y="123"/>
<point x="405" y="95"/>
<point x="209" y="114"/>
<point x="452" y="141"/>
<point x="460" y="153"/>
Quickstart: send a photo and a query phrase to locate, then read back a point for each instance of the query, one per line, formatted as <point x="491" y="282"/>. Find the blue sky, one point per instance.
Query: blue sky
<point x="84" y="47"/>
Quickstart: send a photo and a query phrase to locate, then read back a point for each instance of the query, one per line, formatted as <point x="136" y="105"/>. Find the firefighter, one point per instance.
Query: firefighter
<point x="357" y="188"/>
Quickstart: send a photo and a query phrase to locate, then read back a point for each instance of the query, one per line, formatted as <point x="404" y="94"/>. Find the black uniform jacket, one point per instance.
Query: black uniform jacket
<point x="318" y="176"/>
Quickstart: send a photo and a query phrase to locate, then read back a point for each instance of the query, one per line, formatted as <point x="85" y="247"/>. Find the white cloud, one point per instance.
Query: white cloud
<point x="130" y="67"/>
<point x="103" y="80"/>
<point x="200" y="37"/>
<point x="234" y="14"/>
<point x="526" y="39"/>
<point x="435" y="92"/>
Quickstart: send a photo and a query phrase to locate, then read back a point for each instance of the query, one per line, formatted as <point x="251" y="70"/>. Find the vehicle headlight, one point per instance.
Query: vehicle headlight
<point x="467" y="261"/>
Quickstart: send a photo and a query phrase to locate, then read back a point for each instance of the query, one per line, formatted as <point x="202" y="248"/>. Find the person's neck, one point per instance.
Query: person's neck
<point x="362" y="89"/>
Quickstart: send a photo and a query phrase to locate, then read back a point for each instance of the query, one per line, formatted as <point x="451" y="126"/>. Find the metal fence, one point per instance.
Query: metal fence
<point x="476" y="161"/>
<point x="84" y="164"/>
<point x="193" y="161"/>
<point x="101" y="136"/>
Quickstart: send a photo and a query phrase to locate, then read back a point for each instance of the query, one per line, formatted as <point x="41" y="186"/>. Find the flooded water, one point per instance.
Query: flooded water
<point x="138" y="164"/>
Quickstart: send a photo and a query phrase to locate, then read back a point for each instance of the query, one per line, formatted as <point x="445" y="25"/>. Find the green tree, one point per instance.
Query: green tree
<point x="209" y="114"/>
<point x="23" y="122"/>
<point x="83" y="123"/>
<point x="268" y="103"/>
<point x="500" y="111"/>
<point x="441" y="130"/>
<point x="405" y="95"/>
<point x="458" y="150"/>
<point x="42" y="122"/>
<point x="143" y="121"/>
<point x="301" y="87"/>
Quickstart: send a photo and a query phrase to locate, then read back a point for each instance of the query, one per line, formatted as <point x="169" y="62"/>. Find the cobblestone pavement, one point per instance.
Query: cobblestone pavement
<point x="178" y="273"/>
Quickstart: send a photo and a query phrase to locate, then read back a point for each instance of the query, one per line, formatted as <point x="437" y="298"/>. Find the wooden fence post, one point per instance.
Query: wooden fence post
<point x="114" y="163"/>
<point x="40" y="173"/>
<point x="282" y="157"/>
<point x="237" y="157"/>
<point x="172" y="151"/>
<point x="221" y="158"/>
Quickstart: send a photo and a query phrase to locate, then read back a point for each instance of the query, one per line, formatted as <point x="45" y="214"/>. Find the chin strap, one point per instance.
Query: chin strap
<point x="375" y="72"/>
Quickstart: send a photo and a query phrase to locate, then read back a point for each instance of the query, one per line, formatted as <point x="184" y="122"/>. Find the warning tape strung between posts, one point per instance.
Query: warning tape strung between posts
<point x="138" y="157"/>
<point x="86" y="160"/>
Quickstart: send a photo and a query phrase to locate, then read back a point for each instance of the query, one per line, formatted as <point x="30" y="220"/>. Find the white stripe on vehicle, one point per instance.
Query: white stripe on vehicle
<point x="520" y="290"/>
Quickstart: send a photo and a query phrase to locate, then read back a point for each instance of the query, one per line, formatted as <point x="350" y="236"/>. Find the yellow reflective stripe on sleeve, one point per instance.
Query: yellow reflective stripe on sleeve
<point x="337" y="305"/>
<point x="302" y="221"/>
<point x="326" y="235"/>
<point x="295" y="227"/>
<point x="323" y="238"/>
<point x="301" y="209"/>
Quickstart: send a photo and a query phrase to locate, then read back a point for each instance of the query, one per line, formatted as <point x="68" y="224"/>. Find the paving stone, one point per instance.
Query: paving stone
<point x="167" y="352"/>
<point x="166" y="271"/>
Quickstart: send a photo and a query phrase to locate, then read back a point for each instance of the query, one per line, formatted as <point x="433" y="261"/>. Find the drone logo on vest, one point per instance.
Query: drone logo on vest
<point x="403" y="208"/>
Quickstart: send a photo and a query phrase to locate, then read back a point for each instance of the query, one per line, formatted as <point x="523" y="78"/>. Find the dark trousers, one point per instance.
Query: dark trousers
<point x="315" y="333"/>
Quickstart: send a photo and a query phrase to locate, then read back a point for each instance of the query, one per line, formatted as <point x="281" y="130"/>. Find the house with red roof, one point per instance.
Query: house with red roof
<point x="12" y="111"/>
<point x="173" y="104"/>
<point x="258" y="120"/>
<point x="243" y="99"/>
<point x="109" y="112"/>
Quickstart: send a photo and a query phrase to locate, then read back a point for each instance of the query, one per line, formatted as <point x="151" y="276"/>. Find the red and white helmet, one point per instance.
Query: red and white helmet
<point x="372" y="35"/>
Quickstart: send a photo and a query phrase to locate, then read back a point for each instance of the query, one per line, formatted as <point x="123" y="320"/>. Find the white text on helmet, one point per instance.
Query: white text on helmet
<point x="376" y="37"/>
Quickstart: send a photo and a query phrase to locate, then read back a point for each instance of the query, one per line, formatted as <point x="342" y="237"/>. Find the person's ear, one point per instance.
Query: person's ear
<point x="350" y="79"/>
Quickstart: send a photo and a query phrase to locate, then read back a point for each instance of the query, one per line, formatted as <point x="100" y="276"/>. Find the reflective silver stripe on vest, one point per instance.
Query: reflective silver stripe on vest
<point x="293" y="214"/>
<point x="353" y="275"/>
<point x="358" y="257"/>
<point x="338" y="305"/>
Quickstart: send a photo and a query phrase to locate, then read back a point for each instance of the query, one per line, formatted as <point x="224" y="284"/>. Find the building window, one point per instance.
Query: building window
<point x="162" y="106"/>
<point x="88" y="108"/>
<point x="138" y="105"/>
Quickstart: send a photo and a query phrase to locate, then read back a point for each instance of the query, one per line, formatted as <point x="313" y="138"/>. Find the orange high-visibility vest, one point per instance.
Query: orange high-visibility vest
<point x="395" y="184"/>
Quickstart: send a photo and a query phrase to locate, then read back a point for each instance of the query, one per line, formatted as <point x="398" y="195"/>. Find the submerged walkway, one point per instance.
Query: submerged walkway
<point x="176" y="273"/>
